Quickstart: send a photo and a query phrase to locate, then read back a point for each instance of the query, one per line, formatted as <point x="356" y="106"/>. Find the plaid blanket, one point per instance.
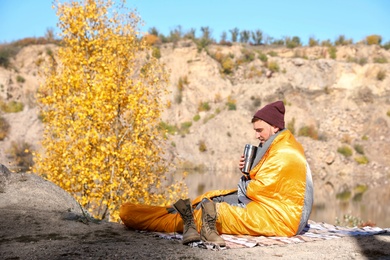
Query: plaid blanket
<point x="313" y="232"/>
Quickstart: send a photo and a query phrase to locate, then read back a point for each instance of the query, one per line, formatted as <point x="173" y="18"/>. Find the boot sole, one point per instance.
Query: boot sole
<point x="191" y="240"/>
<point x="221" y="244"/>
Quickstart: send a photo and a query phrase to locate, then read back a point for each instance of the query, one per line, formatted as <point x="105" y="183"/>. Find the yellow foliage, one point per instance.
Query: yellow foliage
<point x="373" y="39"/>
<point x="151" y="39"/>
<point x="101" y="101"/>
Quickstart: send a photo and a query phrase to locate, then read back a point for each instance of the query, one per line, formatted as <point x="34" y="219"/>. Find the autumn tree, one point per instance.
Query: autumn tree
<point x="101" y="105"/>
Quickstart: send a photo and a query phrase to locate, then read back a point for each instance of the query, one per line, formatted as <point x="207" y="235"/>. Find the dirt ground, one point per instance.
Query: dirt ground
<point x="38" y="220"/>
<point x="29" y="234"/>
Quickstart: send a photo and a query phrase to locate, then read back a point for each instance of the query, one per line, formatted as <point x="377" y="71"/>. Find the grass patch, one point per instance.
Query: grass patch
<point x="359" y="148"/>
<point x="202" y="146"/>
<point x="20" y="79"/>
<point x="345" y="150"/>
<point x="344" y="195"/>
<point x="273" y="66"/>
<point x="308" y="131"/>
<point x="361" y="159"/>
<point x="231" y="104"/>
<point x="11" y="107"/>
<point x="204" y="106"/>
<point x="170" y="129"/>
<point x="196" y="118"/>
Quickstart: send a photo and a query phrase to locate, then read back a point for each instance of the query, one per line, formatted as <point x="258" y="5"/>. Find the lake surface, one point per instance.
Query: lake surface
<point x="360" y="202"/>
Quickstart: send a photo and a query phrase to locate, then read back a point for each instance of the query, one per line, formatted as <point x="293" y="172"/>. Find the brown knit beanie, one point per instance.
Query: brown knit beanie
<point x="272" y="113"/>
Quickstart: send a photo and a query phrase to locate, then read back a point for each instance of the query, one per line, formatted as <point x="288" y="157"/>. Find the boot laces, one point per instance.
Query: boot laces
<point x="211" y="222"/>
<point x="188" y="218"/>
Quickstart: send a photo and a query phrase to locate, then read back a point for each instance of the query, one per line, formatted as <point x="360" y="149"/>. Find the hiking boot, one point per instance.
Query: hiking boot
<point x="208" y="232"/>
<point x="190" y="234"/>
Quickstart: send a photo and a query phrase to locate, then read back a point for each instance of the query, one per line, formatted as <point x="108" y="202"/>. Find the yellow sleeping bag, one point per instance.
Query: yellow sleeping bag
<point x="280" y="191"/>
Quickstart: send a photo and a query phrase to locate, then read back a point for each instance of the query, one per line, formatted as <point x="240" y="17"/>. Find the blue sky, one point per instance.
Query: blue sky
<point x="321" y="19"/>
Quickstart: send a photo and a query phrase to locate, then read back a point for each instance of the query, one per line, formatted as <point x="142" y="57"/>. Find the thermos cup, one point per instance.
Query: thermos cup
<point x="249" y="154"/>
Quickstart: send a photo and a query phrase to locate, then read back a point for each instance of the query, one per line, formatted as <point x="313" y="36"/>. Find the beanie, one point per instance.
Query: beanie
<point x="273" y="114"/>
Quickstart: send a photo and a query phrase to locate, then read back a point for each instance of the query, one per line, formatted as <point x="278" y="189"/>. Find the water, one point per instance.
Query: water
<point x="333" y="203"/>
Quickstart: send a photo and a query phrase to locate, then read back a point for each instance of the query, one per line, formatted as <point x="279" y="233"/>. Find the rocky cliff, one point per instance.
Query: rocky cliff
<point x="334" y="102"/>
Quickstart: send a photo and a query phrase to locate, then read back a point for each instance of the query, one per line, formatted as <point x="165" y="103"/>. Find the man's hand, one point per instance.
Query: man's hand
<point x="241" y="163"/>
<point x="241" y="166"/>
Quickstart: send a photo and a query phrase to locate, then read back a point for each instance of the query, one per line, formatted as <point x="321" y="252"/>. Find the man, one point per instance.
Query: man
<point x="274" y="199"/>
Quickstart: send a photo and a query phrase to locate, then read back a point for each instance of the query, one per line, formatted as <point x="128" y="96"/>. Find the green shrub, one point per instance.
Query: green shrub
<point x="373" y="39"/>
<point x="231" y="106"/>
<point x="179" y="97"/>
<point x="344" y="195"/>
<point x="11" y="107"/>
<point x="156" y="53"/>
<point x="293" y="42"/>
<point x="185" y="127"/>
<point x="20" y="79"/>
<point x="182" y="82"/>
<point x="381" y="75"/>
<point x="256" y="102"/>
<point x="386" y="46"/>
<point x="7" y="52"/>
<point x="313" y="42"/>
<point x="247" y="56"/>
<point x="263" y="57"/>
<point x="202" y="146"/>
<point x="361" y="159"/>
<point x="358" y="148"/>
<point x="170" y="129"/>
<point x="361" y="61"/>
<point x="332" y="52"/>
<point x="173" y="129"/>
<point x="381" y="60"/>
<point x="326" y="43"/>
<point x="388" y="113"/>
<point x="231" y="103"/>
<point x="20" y="153"/>
<point x="227" y="65"/>
<point x="345" y="150"/>
<point x="196" y="118"/>
<point x="341" y="41"/>
<point x="204" y="106"/>
<point x="273" y="66"/>
<point x="272" y="54"/>
<point x="4" y="128"/>
<point x="308" y="131"/>
<point x="202" y="44"/>
<point x="361" y="188"/>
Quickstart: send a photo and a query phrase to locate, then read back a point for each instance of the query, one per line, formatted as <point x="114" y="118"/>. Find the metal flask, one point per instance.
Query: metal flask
<point x="249" y="154"/>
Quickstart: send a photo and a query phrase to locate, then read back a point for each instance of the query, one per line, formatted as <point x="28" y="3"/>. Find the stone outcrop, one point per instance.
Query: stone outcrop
<point x="341" y="100"/>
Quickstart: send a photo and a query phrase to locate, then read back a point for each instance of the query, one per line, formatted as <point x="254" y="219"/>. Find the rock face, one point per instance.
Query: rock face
<point x="5" y="176"/>
<point x="339" y="102"/>
<point x="31" y="192"/>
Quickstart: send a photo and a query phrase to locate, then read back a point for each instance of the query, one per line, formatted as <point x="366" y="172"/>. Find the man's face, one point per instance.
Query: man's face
<point x="264" y="130"/>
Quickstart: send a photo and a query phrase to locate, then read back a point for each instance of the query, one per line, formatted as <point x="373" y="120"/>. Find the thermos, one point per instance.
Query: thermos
<point x="249" y="154"/>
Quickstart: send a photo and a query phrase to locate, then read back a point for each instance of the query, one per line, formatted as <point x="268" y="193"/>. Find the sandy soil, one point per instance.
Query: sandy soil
<point x="38" y="220"/>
